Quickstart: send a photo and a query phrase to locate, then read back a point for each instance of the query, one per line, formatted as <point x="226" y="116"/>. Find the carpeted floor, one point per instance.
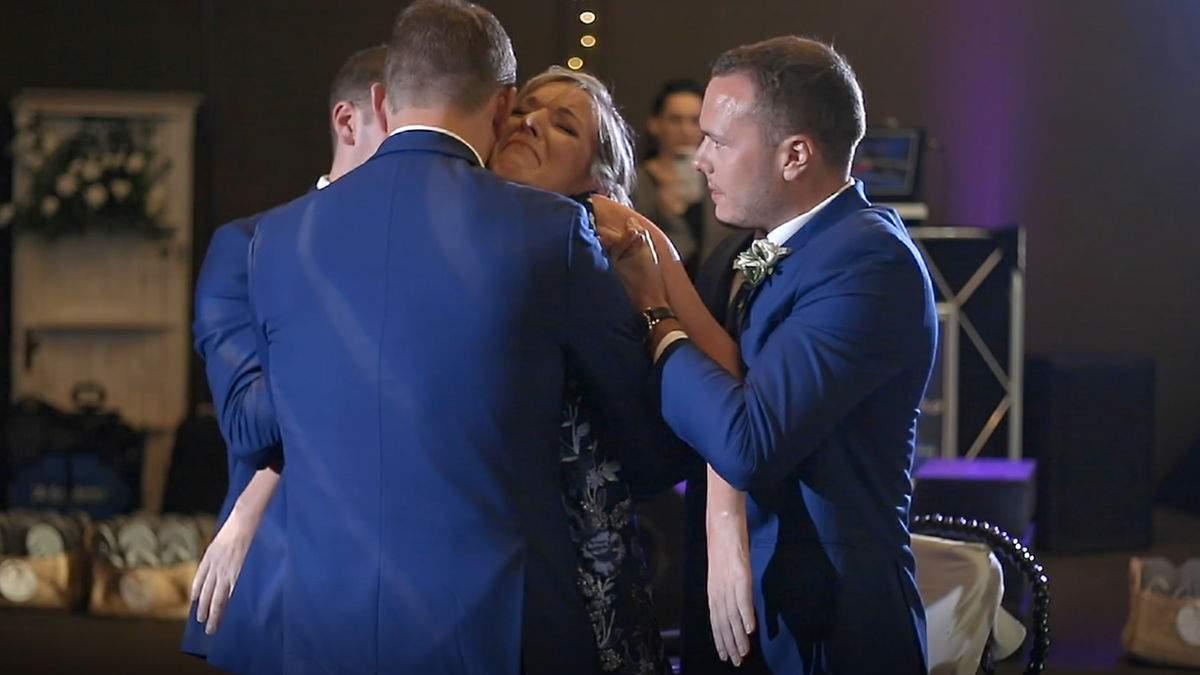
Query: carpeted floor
<point x="1089" y="605"/>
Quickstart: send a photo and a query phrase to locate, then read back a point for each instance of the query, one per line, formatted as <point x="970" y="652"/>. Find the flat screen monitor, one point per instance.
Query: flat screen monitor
<point x="886" y="162"/>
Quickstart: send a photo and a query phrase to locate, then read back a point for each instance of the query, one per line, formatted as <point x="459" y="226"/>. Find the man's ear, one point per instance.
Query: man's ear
<point x="798" y="153"/>
<point x="379" y="105"/>
<point x="506" y="100"/>
<point x="343" y="122"/>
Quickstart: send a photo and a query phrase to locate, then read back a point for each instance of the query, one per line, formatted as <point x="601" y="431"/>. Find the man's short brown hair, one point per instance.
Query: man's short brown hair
<point x="802" y="86"/>
<point x="447" y="53"/>
<point x="353" y="82"/>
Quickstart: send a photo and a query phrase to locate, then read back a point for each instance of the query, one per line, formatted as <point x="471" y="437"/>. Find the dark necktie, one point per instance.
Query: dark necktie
<point x="739" y="292"/>
<point x="737" y="305"/>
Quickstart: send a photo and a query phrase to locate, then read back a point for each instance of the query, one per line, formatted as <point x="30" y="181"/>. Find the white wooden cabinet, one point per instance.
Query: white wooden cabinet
<point x="112" y="309"/>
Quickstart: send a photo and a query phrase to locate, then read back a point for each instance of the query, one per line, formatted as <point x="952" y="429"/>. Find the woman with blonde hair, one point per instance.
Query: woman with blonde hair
<point x="567" y="136"/>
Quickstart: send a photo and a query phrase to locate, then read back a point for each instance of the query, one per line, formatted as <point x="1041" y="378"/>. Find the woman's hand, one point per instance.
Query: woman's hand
<point x="219" y="569"/>
<point x="636" y="263"/>
<point x="612" y="222"/>
<point x="612" y="219"/>
<point x="730" y="579"/>
<point x="634" y="245"/>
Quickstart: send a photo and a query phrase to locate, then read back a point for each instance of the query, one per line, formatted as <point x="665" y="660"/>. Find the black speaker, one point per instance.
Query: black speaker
<point x="199" y="474"/>
<point x="1180" y="488"/>
<point x="1000" y="492"/>
<point x="1089" y="423"/>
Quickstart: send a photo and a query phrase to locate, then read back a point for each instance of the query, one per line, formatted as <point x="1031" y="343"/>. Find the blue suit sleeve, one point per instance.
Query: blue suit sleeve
<point x="604" y="350"/>
<point x="225" y="339"/>
<point x="272" y="457"/>
<point x="840" y="342"/>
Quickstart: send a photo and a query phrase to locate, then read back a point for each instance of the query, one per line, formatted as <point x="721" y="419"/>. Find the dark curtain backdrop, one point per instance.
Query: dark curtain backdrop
<point x="1074" y="118"/>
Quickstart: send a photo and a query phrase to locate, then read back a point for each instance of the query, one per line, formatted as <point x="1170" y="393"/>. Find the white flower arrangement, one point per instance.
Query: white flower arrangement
<point x="106" y="177"/>
<point x="759" y="261"/>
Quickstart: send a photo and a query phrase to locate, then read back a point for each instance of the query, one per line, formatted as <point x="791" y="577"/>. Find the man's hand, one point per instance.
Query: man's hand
<point x="730" y="584"/>
<point x="219" y="569"/>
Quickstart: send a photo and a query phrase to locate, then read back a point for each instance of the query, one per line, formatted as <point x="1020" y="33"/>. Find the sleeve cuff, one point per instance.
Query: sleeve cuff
<point x="272" y="459"/>
<point x="669" y="339"/>
<point x="669" y="346"/>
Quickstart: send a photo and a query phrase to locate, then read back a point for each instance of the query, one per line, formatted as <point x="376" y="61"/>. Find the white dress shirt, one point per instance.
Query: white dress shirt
<point x="451" y="134"/>
<point x="781" y="234"/>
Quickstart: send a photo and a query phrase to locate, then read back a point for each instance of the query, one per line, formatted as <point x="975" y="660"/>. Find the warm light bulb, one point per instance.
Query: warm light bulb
<point x="587" y="17"/>
<point x="588" y="40"/>
<point x="574" y="63"/>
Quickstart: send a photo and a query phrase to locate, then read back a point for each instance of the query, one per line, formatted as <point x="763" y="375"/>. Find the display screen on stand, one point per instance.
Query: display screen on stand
<point x="887" y="162"/>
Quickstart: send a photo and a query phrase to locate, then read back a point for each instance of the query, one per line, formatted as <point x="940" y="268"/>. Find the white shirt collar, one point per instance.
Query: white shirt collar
<point x="781" y="234"/>
<point x="323" y="182"/>
<point x="451" y="134"/>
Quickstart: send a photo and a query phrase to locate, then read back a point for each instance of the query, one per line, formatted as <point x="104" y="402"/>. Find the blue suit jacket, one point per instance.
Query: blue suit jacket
<point x="838" y="346"/>
<point x="249" y="641"/>
<point x="421" y="316"/>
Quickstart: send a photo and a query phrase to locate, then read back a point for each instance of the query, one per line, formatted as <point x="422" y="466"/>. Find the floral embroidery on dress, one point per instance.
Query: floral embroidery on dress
<point x="612" y="571"/>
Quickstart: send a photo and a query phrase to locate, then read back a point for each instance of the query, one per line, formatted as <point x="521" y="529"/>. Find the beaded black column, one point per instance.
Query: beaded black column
<point x="1012" y="552"/>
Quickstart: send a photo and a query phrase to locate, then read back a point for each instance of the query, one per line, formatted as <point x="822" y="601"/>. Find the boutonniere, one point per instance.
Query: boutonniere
<point x="758" y="262"/>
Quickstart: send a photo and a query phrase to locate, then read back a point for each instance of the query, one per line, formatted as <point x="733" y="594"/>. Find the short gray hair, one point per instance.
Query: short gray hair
<point x="614" y="167"/>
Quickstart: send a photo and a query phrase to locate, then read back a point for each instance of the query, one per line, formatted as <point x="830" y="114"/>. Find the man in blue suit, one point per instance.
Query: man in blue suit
<point x="835" y="317"/>
<point x="251" y="641"/>
<point x="419" y="319"/>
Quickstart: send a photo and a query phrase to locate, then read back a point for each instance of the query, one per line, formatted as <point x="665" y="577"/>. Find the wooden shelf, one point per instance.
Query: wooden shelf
<point x="108" y="103"/>
<point x="99" y="326"/>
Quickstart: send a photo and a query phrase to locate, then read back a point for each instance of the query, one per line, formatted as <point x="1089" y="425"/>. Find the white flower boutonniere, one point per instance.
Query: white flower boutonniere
<point x="758" y="262"/>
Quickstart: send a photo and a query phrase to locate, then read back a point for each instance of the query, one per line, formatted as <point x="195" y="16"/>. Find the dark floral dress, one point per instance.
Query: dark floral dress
<point x="612" y="567"/>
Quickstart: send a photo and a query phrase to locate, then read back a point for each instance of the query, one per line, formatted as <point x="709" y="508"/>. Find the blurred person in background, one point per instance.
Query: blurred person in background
<point x="671" y="192"/>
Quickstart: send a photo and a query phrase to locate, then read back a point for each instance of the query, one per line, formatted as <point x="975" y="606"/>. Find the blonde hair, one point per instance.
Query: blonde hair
<point x="614" y="167"/>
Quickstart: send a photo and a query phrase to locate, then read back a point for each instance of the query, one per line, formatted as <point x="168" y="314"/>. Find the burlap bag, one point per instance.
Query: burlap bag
<point x="1161" y="628"/>
<point x="50" y="582"/>
<point x="140" y="592"/>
